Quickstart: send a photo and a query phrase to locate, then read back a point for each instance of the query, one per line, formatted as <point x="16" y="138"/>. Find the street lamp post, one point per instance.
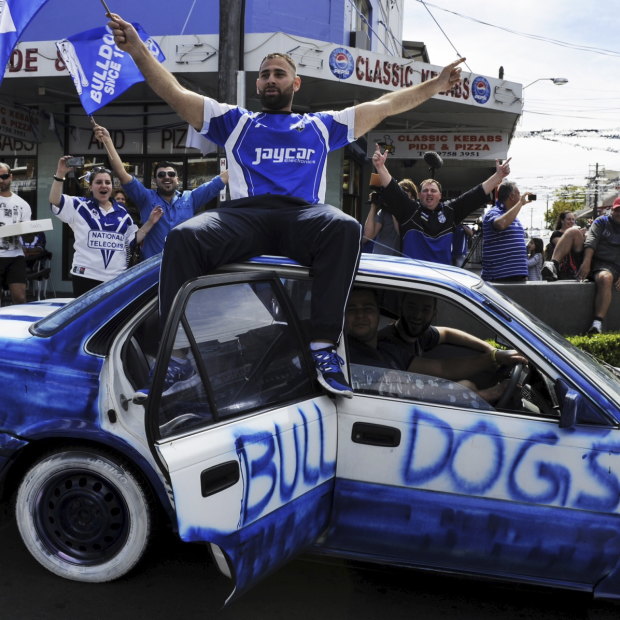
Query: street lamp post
<point x="558" y="81"/>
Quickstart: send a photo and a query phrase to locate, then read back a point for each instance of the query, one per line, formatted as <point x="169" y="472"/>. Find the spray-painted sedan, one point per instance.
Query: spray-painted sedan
<point x="253" y="459"/>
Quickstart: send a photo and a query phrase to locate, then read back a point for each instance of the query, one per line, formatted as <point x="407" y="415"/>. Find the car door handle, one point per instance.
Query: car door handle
<point x="375" y="435"/>
<point x="219" y="477"/>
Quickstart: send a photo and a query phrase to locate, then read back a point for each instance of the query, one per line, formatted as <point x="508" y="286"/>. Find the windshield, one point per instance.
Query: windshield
<point x="595" y="371"/>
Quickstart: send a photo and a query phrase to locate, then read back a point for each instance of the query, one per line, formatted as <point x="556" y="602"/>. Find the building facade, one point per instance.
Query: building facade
<point x="347" y="51"/>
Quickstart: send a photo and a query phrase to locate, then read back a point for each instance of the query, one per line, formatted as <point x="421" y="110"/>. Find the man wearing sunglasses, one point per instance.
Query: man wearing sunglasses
<point x="13" y="210"/>
<point x="277" y="162"/>
<point x="178" y="206"/>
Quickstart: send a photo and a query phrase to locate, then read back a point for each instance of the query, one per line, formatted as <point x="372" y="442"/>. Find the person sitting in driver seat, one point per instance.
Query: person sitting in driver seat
<point x="413" y="335"/>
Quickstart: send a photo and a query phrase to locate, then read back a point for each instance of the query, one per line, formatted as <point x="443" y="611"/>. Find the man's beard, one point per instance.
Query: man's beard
<point x="167" y="191"/>
<point x="409" y="331"/>
<point x="277" y="101"/>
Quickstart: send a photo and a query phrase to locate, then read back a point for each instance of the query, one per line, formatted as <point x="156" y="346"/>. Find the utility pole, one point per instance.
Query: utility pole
<point x="230" y="62"/>
<point x="594" y="180"/>
<point x="595" y="208"/>
<point x="230" y="58"/>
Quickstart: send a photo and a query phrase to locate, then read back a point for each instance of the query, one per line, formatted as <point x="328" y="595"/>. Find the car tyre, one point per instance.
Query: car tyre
<point x="84" y="516"/>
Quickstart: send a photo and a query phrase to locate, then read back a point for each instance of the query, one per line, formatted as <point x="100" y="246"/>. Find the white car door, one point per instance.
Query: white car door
<point x="249" y="445"/>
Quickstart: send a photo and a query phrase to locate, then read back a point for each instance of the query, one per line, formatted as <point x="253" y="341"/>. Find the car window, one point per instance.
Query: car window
<point x="245" y="352"/>
<point x="414" y="357"/>
<point x="413" y="386"/>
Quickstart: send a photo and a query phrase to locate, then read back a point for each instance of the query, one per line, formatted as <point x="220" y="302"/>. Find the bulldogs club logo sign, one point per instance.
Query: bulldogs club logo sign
<point x="341" y="63"/>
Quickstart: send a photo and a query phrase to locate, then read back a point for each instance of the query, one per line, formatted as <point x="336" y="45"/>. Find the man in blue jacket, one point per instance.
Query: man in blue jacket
<point x="178" y="206"/>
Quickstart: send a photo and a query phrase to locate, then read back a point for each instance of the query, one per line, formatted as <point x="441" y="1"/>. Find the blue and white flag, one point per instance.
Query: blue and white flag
<point x="101" y="71"/>
<point x="15" y="15"/>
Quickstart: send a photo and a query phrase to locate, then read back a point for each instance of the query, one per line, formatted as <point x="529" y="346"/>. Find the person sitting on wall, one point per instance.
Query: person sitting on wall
<point x="567" y="253"/>
<point x="601" y="263"/>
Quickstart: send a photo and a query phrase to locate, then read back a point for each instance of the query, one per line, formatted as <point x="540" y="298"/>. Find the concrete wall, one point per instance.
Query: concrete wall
<point x="565" y="305"/>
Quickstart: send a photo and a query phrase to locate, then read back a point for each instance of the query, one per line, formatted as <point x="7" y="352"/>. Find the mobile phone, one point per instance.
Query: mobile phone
<point x="75" y="162"/>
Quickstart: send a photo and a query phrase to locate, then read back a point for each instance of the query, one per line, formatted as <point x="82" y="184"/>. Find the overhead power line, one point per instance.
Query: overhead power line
<point x="444" y="33"/>
<point x="575" y="46"/>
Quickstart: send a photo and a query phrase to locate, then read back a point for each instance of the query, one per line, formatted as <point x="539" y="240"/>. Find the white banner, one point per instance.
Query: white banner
<point x="448" y="144"/>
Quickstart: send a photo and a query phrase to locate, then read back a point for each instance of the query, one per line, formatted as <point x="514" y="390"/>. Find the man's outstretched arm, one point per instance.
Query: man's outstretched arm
<point x="502" y="170"/>
<point x="187" y="104"/>
<point x="369" y="114"/>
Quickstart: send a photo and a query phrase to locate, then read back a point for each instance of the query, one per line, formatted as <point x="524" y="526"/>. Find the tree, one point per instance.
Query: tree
<point x="566" y="198"/>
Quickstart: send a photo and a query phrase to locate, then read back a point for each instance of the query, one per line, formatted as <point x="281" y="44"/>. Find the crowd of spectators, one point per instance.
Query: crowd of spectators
<point x="423" y="225"/>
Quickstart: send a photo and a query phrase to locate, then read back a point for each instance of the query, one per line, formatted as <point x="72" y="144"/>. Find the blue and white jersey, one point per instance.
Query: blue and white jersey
<point x="102" y="239"/>
<point x="277" y="153"/>
<point x="427" y="234"/>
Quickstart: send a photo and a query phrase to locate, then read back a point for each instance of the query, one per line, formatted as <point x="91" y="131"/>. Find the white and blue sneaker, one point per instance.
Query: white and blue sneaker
<point x="329" y="374"/>
<point x="180" y="375"/>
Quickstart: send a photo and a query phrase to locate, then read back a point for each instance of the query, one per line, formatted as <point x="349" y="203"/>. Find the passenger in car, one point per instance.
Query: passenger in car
<point x="401" y="346"/>
<point x="413" y="335"/>
<point x="362" y="328"/>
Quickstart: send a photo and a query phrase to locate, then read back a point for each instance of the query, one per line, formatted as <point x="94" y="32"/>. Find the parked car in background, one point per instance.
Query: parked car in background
<point x="252" y="458"/>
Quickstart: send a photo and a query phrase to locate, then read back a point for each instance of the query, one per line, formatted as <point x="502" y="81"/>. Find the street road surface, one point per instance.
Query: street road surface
<point x="177" y="581"/>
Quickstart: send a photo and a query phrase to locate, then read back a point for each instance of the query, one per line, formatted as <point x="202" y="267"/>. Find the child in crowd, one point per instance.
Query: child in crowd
<point x="535" y="261"/>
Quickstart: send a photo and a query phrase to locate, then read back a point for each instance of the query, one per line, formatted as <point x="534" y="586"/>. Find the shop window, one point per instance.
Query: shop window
<point x="361" y="18"/>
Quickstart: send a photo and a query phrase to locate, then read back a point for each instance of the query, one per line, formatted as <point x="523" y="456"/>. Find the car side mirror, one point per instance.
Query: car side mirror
<point x="570" y="406"/>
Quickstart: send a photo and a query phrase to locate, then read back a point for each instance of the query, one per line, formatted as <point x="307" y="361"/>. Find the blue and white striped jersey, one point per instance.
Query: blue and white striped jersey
<point x="504" y="254"/>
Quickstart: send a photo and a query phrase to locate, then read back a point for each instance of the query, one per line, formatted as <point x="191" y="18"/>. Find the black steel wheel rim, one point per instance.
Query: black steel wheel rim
<point x="82" y="517"/>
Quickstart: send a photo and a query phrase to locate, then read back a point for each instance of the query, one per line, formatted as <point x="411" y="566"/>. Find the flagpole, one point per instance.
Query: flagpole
<point x="93" y="123"/>
<point x="107" y="8"/>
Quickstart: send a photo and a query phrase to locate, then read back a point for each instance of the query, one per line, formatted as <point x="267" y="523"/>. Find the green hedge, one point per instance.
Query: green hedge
<point x="604" y="346"/>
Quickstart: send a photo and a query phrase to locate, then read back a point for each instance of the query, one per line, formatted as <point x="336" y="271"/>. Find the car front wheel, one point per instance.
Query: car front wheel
<point x="83" y="516"/>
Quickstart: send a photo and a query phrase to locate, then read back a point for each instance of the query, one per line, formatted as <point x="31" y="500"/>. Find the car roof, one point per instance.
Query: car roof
<point x="143" y="277"/>
<point x="394" y="266"/>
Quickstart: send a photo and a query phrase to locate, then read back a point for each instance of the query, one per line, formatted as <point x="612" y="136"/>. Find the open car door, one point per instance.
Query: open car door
<point x="246" y="438"/>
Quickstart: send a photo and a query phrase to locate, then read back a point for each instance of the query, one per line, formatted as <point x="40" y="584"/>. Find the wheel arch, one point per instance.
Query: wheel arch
<point x="32" y="452"/>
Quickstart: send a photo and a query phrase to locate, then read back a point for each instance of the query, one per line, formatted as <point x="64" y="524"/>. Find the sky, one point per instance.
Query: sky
<point x="579" y="122"/>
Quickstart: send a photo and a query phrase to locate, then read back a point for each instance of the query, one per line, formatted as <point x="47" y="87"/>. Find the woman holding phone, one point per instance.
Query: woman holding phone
<point x="104" y="232"/>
